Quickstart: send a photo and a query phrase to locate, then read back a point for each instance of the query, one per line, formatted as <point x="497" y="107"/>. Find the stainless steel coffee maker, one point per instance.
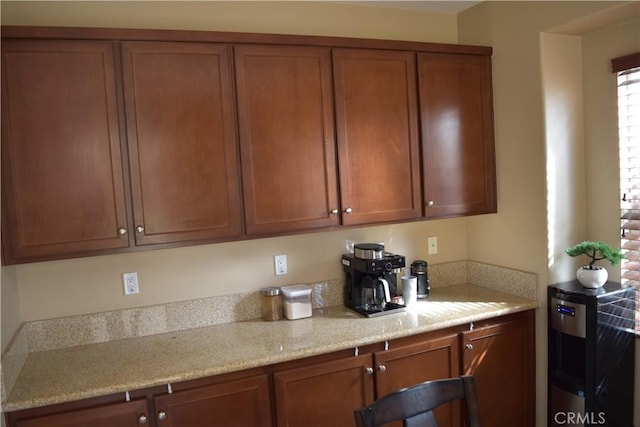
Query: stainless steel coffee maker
<point x="372" y="280"/>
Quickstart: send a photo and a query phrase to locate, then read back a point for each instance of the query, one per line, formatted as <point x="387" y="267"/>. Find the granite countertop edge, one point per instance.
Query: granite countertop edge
<point x="76" y="373"/>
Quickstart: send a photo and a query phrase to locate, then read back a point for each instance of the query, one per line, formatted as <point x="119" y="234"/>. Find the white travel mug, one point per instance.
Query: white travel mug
<point x="409" y="290"/>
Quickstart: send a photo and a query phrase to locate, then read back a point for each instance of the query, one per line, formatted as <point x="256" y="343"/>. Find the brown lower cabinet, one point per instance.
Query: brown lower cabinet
<point x="325" y="390"/>
<point x="242" y="402"/>
<point x="404" y="365"/>
<point x="123" y="414"/>
<point x="325" y="393"/>
<point x="498" y="355"/>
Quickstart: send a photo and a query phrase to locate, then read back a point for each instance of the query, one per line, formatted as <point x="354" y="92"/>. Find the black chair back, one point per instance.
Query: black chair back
<point x="414" y="405"/>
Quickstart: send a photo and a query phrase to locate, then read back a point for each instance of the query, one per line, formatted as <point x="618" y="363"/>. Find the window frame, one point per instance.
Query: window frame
<point x="623" y="67"/>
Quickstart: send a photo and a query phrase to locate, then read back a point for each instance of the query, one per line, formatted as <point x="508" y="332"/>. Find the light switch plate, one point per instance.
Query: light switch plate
<point x="432" y="245"/>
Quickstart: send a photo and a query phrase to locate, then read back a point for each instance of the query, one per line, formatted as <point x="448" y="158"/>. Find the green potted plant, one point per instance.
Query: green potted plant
<point x="591" y="275"/>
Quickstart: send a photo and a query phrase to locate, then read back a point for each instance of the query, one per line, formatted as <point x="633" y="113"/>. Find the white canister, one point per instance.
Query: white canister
<point x="297" y="301"/>
<point x="409" y="290"/>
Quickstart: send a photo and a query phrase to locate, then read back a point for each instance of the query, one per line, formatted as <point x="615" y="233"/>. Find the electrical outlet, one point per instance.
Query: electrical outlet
<point x="432" y="245"/>
<point x="130" y="282"/>
<point x="280" y="264"/>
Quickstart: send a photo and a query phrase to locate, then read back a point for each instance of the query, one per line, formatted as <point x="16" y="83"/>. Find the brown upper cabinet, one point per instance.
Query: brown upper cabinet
<point x="377" y="130"/>
<point x="285" y="106"/>
<point x="457" y="134"/>
<point x="179" y="137"/>
<point x="63" y="184"/>
<point x="181" y="133"/>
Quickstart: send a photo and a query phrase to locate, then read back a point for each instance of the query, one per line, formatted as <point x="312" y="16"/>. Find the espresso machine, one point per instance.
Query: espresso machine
<point x="372" y="280"/>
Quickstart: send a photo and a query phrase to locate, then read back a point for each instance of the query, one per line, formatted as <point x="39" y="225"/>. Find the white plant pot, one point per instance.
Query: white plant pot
<point x="592" y="278"/>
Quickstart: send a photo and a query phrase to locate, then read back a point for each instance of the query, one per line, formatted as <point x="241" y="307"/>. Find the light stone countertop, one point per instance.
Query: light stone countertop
<point x="74" y="373"/>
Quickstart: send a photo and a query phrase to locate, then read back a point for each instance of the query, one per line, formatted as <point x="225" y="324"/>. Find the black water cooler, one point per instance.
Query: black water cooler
<point x="591" y="355"/>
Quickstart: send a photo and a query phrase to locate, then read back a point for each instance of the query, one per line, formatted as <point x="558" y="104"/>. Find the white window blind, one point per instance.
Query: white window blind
<point x="628" y="74"/>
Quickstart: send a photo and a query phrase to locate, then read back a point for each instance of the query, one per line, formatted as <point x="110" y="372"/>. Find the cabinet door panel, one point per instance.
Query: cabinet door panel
<point x="238" y="403"/>
<point x="61" y="155"/>
<point x="376" y="120"/>
<point x="500" y="357"/>
<point x="285" y="108"/>
<point x="182" y="141"/>
<point x="125" y="414"/>
<point x="457" y="134"/>
<point x="409" y="365"/>
<point x="324" y="394"/>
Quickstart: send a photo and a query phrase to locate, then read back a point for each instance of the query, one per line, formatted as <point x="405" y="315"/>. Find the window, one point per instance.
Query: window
<point x="628" y="74"/>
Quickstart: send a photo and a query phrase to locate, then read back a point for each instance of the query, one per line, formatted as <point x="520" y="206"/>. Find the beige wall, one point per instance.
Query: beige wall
<point x="10" y="307"/>
<point x="565" y="152"/>
<point x="60" y="288"/>
<point x="519" y="231"/>
<point x="276" y="17"/>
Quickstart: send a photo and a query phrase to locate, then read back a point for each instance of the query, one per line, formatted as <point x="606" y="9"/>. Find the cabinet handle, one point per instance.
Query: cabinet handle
<point x="162" y="415"/>
<point x="348" y="210"/>
<point x="382" y="368"/>
<point x="142" y="419"/>
<point x="469" y="346"/>
<point x="122" y="231"/>
<point x="369" y="371"/>
<point x="334" y="211"/>
<point x="430" y="203"/>
<point x="139" y="229"/>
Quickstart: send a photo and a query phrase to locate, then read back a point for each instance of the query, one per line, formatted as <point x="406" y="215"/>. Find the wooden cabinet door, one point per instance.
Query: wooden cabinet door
<point x="377" y="129"/>
<point x="182" y="141"/>
<point x="323" y="394"/>
<point x="457" y="134"/>
<point x="408" y="365"/>
<point x="501" y="358"/>
<point x="244" y="402"/>
<point x="285" y="109"/>
<point x="61" y="154"/>
<point x="125" y="414"/>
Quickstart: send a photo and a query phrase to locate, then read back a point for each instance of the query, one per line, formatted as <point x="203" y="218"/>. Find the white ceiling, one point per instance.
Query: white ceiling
<point x="449" y="7"/>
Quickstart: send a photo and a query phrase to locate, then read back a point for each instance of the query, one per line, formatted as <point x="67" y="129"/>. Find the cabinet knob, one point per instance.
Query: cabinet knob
<point x="139" y="229"/>
<point x="122" y="231"/>
<point x="334" y="211"/>
<point x="382" y="368"/>
<point x="142" y="419"/>
<point x="430" y="203"/>
<point x="369" y="371"/>
<point x="348" y="210"/>
<point x="469" y="346"/>
<point x="162" y="415"/>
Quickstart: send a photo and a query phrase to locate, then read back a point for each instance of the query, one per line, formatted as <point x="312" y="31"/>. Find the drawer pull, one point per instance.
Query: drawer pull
<point x="142" y="419"/>
<point x="382" y="368"/>
<point x="369" y="370"/>
<point x="162" y="415"/>
<point x="469" y="346"/>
